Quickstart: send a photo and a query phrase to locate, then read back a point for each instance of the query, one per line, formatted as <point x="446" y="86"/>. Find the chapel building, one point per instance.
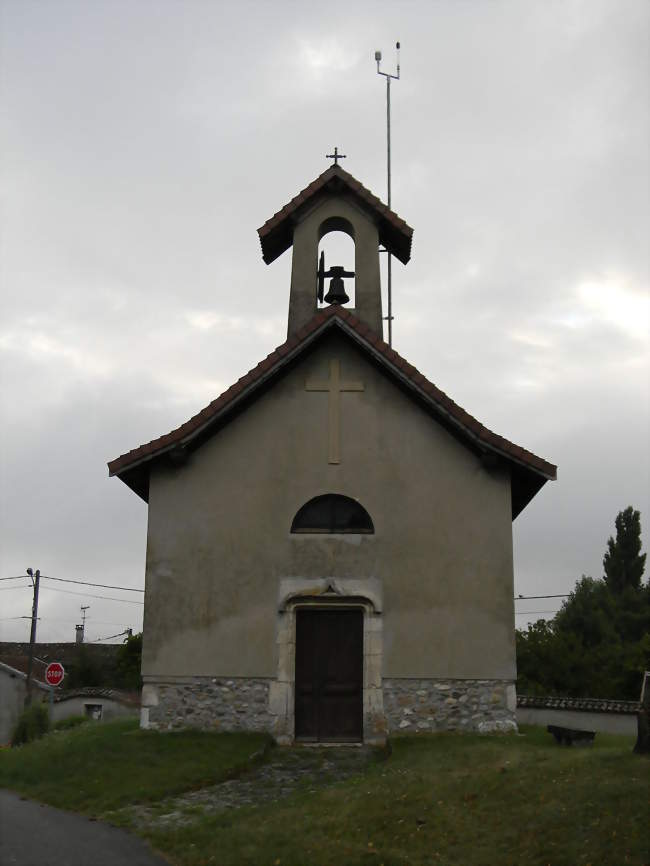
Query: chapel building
<point x="329" y="546"/>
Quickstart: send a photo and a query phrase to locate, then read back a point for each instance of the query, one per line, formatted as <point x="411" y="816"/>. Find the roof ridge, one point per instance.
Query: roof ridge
<point x="276" y="234"/>
<point x="376" y="344"/>
<point x="319" y="181"/>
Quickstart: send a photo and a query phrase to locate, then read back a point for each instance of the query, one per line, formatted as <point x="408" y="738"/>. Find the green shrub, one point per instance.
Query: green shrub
<point x="129" y="663"/>
<point x="84" y="669"/>
<point x="70" y="722"/>
<point x="31" y="725"/>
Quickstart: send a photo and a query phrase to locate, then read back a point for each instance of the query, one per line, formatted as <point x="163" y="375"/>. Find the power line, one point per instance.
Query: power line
<point x="55" y="589"/>
<point x="87" y="583"/>
<point x="70" y="621"/>
<point x="80" y="582"/>
<point x="126" y="631"/>
<point x="92" y="595"/>
<point x="523" y="612"/>
<point x="132" y="589"/>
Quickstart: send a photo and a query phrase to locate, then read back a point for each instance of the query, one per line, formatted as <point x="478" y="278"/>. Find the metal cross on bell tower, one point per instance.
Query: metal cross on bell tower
<point x="336" y="156"/>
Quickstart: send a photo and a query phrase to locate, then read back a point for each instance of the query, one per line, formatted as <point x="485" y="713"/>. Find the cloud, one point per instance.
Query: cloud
<point x="612" y="301"/>
<point x="326" y="55"/>
<point x="133" y="286"/>
<point x="43" y="348"/>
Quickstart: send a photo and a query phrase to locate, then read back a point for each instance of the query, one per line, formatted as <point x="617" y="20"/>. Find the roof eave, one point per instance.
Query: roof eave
<point x="276" y="235"/>
<point x="243" y="395"/>
<point x="481" y="443"/>
<point x="526" y="484"/>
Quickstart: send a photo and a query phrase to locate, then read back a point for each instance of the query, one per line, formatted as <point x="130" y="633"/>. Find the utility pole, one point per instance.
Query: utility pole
<point x="388" y="77"/>
<point x="36" y="577"/>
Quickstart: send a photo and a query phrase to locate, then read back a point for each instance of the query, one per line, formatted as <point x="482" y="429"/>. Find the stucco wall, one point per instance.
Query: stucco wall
<point x="607" y="723"/>
<point x="13" y="689"/>
<point x="12" y="700"/>
<point x="219" y="540"/>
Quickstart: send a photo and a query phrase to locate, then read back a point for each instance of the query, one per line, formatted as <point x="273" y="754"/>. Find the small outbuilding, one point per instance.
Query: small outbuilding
<point x="95" y="703"/>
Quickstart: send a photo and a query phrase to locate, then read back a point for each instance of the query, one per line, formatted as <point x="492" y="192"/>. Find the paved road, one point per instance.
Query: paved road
<point x="36" y="835"/>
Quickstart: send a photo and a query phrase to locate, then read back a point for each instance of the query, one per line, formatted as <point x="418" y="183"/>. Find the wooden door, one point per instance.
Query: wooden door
<point x="329" y="675"/>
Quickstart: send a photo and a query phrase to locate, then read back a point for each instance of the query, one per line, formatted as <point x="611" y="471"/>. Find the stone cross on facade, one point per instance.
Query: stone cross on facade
<point x="334" y="387"/>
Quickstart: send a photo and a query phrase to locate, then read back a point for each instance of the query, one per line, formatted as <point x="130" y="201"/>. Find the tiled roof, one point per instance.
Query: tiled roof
<point x="276" y="235"/>
<point x="17" y="667"/>
<point x="20" y="662"/>
<point x="586" y="705"/>
<point x="130" y="698"/>
<point x="335" y="316"/>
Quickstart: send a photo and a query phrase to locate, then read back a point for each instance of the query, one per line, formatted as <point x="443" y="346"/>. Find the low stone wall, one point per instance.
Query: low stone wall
<point x="208" y="703"/>
<point x="606" y="723"/>
<point x="608" y="716"/>
<point x="485" y="706"/>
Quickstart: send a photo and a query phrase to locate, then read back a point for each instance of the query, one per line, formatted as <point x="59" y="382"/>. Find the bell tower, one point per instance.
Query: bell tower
<point x="335" y="201"/>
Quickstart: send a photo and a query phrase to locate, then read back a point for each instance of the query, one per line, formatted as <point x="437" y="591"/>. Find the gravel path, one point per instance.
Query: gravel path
<point x="285" y="771"/>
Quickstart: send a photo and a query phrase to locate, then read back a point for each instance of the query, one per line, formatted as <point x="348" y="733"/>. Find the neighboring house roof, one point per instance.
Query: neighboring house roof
<point x="528" y="471"/>
<point x="16" y="672"/>
<point x="276" y="235"/>
<point x="586" y="705"/>
<point x="20" y="662"/>
<point x="65" y="652"/>
<point x="127" y="698"/>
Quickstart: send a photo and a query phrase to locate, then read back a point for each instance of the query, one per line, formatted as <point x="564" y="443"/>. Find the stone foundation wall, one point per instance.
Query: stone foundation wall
<point x="208" y="703"/>
<point x="412" y="706"/>
<point x="409" y="705"/>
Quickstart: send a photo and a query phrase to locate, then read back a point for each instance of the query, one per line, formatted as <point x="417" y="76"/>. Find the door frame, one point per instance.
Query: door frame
<point x="329" y="594"/>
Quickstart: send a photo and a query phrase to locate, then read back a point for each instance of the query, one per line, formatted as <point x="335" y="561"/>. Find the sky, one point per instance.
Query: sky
<point x="143" y="143"/>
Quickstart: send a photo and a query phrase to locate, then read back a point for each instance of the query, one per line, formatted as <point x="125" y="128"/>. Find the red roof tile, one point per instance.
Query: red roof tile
<point x="461" y="420"/>
<point x="276" y="235"/>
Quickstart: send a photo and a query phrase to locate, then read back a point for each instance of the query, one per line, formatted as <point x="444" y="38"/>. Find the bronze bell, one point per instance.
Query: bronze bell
<point x="337" y="293"/>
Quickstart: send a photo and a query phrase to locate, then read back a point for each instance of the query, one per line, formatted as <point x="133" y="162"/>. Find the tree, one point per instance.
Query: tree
<point x="129" y="662"/>
<point x="623" y="561"/>
<point x="85" y="669"/>
<point x="598" y="644"/>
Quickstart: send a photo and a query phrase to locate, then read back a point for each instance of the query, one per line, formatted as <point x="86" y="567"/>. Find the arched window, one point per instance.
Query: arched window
<point x="332" y="513"/>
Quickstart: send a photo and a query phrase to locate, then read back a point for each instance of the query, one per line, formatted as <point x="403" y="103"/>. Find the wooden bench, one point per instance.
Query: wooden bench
<point x="570" y="736"/>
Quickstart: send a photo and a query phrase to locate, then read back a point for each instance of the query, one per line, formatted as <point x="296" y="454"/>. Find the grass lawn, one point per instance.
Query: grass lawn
<point x="446" y="799"/>
<point x="98" y="767"/>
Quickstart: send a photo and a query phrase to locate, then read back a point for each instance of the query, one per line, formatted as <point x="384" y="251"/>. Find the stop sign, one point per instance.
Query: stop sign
<point x="54" y="673"/>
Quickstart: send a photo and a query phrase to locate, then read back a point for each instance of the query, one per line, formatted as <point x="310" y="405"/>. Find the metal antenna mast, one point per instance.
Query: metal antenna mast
<point x="84" y="608"/>
<point x="388" y="76"/>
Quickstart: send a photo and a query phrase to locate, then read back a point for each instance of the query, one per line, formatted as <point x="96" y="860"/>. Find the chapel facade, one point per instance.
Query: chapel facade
<point x="329" y="546"/>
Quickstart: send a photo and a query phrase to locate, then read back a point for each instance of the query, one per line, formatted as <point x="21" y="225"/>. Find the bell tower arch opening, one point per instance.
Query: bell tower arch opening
<point x="337" y="216"/>
<point x="316" y="278"/>
<point x="337" y="261"/>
